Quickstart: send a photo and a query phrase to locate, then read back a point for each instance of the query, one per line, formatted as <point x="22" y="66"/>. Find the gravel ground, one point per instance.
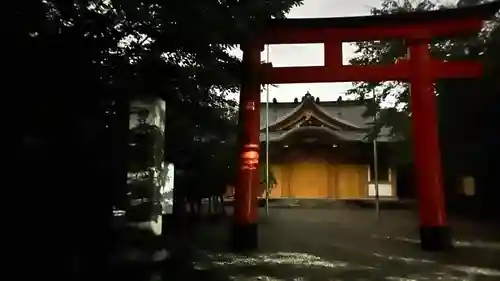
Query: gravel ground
<point x="336" y="244"/>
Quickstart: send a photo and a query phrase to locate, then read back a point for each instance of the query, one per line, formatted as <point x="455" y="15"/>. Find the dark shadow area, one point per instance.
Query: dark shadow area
<point x="351" y="245"/>
<point x="106" y="94"/>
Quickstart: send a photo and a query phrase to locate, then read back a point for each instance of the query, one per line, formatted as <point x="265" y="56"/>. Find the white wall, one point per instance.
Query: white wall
<point x="384" y="188"/>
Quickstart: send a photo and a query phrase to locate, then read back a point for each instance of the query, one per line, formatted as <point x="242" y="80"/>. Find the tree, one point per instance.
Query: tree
<point x="79" y="63"/>
<point x="263" y="177"/>
<point x="461" y="103"/>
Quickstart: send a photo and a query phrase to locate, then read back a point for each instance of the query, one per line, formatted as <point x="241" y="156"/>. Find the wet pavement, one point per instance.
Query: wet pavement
<point x="335" y="244"/>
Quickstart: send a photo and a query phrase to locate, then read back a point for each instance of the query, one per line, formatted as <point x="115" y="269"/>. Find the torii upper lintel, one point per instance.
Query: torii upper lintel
<point x="439" y="23"/>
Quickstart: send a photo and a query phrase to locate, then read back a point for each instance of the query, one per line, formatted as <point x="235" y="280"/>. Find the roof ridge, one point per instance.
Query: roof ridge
<point x="318" y="107"/>
<point x="338" y="103"/>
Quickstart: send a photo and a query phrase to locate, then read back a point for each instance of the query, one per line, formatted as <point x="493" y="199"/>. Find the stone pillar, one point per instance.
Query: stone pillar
<point x="146" y="178"/>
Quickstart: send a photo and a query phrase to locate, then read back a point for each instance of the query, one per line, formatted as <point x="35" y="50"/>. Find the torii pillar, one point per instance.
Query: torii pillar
<point x="435" y="233"/>
<point x="244" y="227"/>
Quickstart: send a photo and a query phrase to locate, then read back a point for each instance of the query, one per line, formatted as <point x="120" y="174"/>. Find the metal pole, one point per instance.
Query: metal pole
<point x="375" y="166"/>
<point x="267" y="141"/>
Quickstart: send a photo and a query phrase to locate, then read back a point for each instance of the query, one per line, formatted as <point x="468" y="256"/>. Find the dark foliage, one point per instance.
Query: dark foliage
<point x="77" y="64"/>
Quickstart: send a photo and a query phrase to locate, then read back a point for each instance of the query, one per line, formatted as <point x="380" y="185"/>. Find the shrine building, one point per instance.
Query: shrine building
<point x="321" y="150"/>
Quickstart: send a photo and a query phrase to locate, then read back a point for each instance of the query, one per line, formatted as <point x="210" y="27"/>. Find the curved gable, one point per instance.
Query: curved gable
<point x="306" y="111"/>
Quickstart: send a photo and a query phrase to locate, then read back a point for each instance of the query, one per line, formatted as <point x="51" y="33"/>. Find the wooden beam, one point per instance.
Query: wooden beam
<point x="456" y="69"/>
<point x="483" y="11"/>
<point x="446" y="28"/>
<point x="354" y="73"/>
<point x="333" y="53"/>
<point x="321" y="74"/>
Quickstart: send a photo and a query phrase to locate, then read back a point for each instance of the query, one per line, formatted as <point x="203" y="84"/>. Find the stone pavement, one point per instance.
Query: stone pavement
<point x="337" y="244"/>
<point x="179" y="265"/>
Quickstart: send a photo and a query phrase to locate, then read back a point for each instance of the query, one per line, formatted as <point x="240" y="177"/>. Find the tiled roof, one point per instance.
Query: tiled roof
<point x="350" y="112"/>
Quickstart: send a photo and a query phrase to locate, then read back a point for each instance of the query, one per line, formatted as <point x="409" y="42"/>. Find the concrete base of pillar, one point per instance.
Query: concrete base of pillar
<point x="244" y="237"/>
<point x="436" y="238"/>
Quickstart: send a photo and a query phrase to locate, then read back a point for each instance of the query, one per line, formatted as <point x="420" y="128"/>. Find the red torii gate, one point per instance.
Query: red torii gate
<point x="418" y="29"/>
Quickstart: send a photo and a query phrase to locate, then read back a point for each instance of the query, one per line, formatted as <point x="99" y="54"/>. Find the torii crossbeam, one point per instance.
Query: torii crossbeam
<point x="420" y="69"/>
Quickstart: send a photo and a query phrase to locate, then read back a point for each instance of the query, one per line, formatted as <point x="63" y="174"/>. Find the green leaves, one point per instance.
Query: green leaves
<point x="452" y="95"/>
<point x="262" y="174"/>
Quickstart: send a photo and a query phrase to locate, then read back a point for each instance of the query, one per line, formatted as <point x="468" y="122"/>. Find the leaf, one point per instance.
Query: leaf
<point x="454" y="99"/>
